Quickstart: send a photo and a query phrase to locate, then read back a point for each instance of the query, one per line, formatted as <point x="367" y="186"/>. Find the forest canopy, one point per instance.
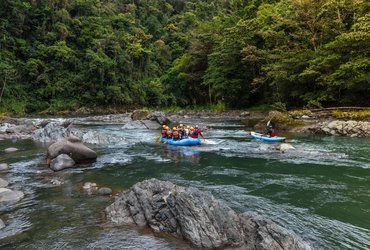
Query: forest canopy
<point x="67" y="54"/>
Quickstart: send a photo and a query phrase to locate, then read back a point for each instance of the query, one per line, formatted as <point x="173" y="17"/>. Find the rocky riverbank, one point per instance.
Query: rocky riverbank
<point x="52" y="129"/>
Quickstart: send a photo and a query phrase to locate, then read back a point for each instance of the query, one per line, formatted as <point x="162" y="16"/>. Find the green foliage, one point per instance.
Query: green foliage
<point x="65" y="55"/>
<point x="353" y="115"/>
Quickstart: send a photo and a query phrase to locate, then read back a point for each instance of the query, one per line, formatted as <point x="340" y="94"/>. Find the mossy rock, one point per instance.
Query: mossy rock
<point x="279" y="120"/>
<point x="300" y="113"/>
<point x="140" y="114"/>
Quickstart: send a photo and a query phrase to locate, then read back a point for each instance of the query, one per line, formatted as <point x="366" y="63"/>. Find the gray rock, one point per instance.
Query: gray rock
<point x="2" y="224"/>
<point x="21" y="129"/>
<point x="134" y="125"/>
<point x="73" y="148"/>
<point x="94" y="137"/>
<point x="61" y="162"/>
<point x="286" y="147"/>
<point x="197" y="217"/>
<point x="5" y="126"/>
<point x="153" y="125"/>
<point x="4" y="166"/>
<point x="52" y="132"/>
<point x="160" y="117"/>
<point x="8" y="196"/>
<point x="3" y="183"/>
<point x="265" y="235"/>
<point x="104" y="191"/>
<point x="10" y="150"/>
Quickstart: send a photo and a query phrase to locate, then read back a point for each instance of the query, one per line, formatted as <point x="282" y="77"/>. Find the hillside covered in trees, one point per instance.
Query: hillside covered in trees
<point x="67" y="54"/>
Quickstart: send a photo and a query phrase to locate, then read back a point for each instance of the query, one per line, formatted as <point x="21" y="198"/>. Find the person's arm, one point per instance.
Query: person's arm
<point x="200" y="132"/>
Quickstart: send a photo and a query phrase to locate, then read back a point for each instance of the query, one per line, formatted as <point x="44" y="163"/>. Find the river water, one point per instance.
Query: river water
<point x="320" y="191"/>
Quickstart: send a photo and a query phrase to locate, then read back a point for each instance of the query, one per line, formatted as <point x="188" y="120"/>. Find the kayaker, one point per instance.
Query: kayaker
<point x="271" y="131"/>
<point x="197" y="132"/>
<point x="175" y="134"/>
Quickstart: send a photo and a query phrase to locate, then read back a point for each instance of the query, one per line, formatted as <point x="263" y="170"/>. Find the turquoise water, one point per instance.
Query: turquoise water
<point x="320" y="190"/>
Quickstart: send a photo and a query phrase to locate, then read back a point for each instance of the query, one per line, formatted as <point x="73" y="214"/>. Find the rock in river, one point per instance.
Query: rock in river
<point x="197" y="217"/>
<point x="3" y="183"/>
<point x="61" y="162"/>
<point x="8" y="196"/>
<point x="74" y="148"/>
<point x="4" y="166"/>
<point x="2" y="224"/>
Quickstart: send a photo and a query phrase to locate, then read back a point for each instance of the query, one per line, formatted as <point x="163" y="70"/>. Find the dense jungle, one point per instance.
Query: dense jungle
<point x="64" y="55"/>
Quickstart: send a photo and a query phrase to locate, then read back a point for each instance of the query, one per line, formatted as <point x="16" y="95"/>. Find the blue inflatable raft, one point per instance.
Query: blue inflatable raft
<point x="262" y="137"/>
<point x="183" y="142"/>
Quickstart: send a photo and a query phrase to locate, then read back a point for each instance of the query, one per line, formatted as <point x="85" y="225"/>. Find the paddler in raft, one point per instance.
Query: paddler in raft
<point x="164" y="131"/>
<point x="196" y="132"/>
<point x="176" y="134"/>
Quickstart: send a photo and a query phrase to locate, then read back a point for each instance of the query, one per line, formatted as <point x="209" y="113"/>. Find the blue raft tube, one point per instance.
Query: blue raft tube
<point x="182" y="142"/>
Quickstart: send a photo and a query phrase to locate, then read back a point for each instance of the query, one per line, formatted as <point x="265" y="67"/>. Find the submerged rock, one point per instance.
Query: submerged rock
<point x="284" y="147"/>
<point x="8" y="196"/>
<point x="10" y="150"/>
<point x="4" y="166"/>
<point x="104" y="191"/>
<point x="3" y="183"/>
<point x="90" y="187"/>
<point x="197" y="217"/>
<point x="2" y="224"/>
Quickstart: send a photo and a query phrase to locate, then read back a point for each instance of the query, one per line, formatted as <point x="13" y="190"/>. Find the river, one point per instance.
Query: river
<point x="320" y="190"/>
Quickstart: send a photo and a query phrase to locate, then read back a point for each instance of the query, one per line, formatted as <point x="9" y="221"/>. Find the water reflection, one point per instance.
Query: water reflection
<point x="178" y="153"/>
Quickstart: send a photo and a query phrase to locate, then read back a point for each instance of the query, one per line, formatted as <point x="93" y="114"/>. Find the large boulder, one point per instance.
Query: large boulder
<point x="140" y="115"/>
<point x="74" y="148"/>
<point x="197" y="217"/>
<point x="61" y="162"/>
<point x="8" y="196"/>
